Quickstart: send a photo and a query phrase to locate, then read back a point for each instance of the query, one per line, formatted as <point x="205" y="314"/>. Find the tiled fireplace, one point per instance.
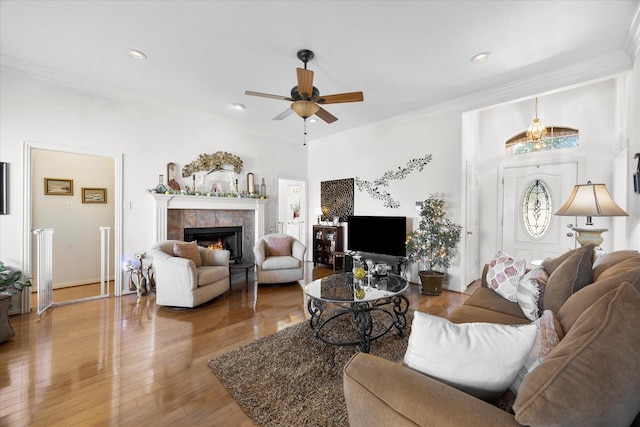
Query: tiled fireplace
<point x="174" y="213"/>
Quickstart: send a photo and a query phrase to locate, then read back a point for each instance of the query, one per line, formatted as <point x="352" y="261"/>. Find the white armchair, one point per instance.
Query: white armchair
<point x="179" y="283"/>
<point x="279" y="258"/>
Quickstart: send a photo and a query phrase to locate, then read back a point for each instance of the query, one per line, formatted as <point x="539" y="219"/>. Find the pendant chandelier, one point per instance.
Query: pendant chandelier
<point x="536" y="131"/>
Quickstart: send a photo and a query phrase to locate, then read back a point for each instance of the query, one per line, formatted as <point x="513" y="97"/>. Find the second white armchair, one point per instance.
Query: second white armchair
<point x="279" y="258"/>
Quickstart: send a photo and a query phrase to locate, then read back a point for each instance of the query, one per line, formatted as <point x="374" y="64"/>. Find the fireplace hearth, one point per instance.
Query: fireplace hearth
<point x="229" y="238"/>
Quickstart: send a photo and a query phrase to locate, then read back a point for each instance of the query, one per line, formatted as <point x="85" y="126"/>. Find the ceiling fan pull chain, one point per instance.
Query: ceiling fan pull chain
<point x="304" y="142"/>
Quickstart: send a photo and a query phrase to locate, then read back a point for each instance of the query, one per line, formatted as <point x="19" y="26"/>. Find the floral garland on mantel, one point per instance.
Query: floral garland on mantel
<point x="210" y="162"/>
<point x="373" y="187"/>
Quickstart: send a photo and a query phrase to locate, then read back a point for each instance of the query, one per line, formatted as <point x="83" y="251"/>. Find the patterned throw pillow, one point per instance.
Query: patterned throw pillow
<point x="527" y="294"/>
<point x="189" y="251"/>
<point x="541" y="277"/>
<point x="546" y="340"/>
<point x="279" y="246"/>
<point x="504" y="274"/>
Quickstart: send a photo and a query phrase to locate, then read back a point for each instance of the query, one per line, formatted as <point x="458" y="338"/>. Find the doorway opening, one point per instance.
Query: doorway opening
<point x="78" y="221"/>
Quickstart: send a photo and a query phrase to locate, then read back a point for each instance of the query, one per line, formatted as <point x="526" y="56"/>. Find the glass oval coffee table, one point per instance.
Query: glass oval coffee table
<point x="339" y="295"/>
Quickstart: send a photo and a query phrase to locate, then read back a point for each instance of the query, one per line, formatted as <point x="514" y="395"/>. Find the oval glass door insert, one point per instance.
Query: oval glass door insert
<point x="537" y="209"/>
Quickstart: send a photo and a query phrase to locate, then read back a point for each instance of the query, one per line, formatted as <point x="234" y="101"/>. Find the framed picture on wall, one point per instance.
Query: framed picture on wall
<point x="94" y="195"/>
<point x="58" y="187"/>
<point x="4" y="188"/>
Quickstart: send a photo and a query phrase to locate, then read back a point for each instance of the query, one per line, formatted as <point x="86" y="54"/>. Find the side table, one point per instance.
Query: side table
<point x="246" y="266"/>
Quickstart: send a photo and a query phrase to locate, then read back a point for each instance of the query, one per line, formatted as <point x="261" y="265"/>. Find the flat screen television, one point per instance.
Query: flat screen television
<point x="385" y="235"/>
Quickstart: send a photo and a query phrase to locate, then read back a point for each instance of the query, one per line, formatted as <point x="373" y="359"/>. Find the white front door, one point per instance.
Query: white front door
<point x="530" y="238"/>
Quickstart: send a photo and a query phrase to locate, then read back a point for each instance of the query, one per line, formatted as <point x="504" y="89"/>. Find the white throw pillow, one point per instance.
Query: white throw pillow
<point x="481" y="359"/>
<point x="527" y="294"/>
<point x="504" y="273"/>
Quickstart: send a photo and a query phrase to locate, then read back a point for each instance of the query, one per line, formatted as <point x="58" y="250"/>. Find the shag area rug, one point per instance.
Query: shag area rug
<point x="291" y="378"/>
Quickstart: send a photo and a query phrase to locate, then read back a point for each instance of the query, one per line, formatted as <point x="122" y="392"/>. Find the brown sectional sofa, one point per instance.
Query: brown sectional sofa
<point x="591" y="378"/>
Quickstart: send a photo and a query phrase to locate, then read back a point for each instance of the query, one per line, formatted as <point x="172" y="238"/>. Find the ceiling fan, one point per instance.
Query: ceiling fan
<point x="306" y="97"/>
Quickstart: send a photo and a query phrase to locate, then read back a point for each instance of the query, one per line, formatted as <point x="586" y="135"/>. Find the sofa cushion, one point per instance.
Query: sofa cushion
<point x="278" y="246"/>
<point x="626" y="265"/>
<point x="546" y="339"/>
<point x="481" y="359"/>
<point x="469" y="314"/>
<point x="486" y="298"/>
<point x="211" y="274"/>
<point x="590" y="378"/>
<point x="188" y="250"/>
<point x="528" y="294"/>
<point x="612" y="258"/>
<point x="570" y="276"/>
<point x="551" y="264"/>
<point x="504" y="274"/>
<point x="280" y="263"/>
<point x="587" y="296"/>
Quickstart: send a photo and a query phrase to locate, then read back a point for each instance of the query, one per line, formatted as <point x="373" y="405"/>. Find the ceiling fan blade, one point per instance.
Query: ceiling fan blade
<point x="286" y="113"/>
<point x="268" y="95"/>
<point x="305" y="82"/>
<point x="341" y="97"/>
<point x="325" y="115"/>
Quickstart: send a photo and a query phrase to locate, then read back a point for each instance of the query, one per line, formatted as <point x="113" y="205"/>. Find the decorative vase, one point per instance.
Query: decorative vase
<point x="6" y="331"/>
<point x="431" y="282"/>
<point x="263" y="189"/>
<point x="250" y="183"/>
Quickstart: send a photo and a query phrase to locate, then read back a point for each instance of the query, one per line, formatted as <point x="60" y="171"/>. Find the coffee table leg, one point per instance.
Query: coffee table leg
<point x="364" y="326"/>
<point x="399" y="313"/>
<point x="315" y="308"/>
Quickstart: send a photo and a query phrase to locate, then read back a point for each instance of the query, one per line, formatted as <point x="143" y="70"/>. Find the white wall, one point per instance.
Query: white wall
<point x="370" y="152"/>
<point x="631" y="133"/>
<point x="33" y="109"/>
<point x="590" y="109"/>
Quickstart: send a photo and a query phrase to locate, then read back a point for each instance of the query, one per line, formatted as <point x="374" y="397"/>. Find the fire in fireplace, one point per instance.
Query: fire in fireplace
<point x="229" y="238"/>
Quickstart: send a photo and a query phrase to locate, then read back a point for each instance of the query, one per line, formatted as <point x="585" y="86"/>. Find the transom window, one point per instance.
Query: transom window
<point x="537" y="209"/>
<point x="557" y="138"/>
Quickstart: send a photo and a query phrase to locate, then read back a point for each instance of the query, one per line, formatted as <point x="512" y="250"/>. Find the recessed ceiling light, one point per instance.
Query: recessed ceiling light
<point x="481" y="57"/>
<point x="312" y="120"/>
<point x="239" y="106"/>
<point x="136" y="54"/>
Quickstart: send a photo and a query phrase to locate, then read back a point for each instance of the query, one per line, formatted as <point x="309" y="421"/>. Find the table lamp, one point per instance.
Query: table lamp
<point x="590" y="200"/>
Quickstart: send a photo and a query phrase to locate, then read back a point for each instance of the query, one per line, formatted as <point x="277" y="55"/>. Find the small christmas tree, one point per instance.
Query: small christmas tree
<point x="434" y="242"/>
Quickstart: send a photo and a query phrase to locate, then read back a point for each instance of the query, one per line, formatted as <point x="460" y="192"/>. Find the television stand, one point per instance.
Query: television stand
<point x="397" y="263"/>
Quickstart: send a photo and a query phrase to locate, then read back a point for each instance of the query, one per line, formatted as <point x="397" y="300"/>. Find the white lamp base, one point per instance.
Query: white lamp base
<point x="586" y="236"/>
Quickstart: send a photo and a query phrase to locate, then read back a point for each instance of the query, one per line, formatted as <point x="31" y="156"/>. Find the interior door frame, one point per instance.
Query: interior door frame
<point x="579" y="161"/>
<point x="28" y="214"/>
<point x="304" y="211"/>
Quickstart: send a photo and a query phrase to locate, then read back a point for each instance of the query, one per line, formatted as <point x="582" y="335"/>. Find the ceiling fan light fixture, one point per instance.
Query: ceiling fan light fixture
<point x="305" y="109"/>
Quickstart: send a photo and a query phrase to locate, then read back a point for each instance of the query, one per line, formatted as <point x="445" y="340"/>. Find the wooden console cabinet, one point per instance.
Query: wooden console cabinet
<point x="327" y="239"/>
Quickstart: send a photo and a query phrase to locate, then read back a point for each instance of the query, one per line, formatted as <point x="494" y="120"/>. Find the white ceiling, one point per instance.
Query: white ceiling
<point x="404" y="55"/>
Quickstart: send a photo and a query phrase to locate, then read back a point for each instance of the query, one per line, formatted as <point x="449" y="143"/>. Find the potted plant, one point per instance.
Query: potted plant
<point x="433" y="244"/>
<point x="10" y="284"/>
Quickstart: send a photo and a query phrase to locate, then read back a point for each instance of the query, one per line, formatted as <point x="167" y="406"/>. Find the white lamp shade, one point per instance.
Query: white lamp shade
<point x="590" y="200"/>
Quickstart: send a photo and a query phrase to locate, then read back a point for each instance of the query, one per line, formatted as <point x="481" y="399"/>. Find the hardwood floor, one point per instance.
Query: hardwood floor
<point x="126" y="361"/>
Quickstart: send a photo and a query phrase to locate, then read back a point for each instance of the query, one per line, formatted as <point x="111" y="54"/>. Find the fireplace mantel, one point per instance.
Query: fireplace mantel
<point x="165" y="202"/>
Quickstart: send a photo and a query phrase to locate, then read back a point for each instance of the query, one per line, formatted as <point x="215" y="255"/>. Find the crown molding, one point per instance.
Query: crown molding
<point x="58" y="78"/>
<point x="596" y="69"/>
<point x="632" y="43"/>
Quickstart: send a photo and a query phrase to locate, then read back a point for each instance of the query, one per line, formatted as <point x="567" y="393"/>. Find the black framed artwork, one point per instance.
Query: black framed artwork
<point x="4" y="188"/>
